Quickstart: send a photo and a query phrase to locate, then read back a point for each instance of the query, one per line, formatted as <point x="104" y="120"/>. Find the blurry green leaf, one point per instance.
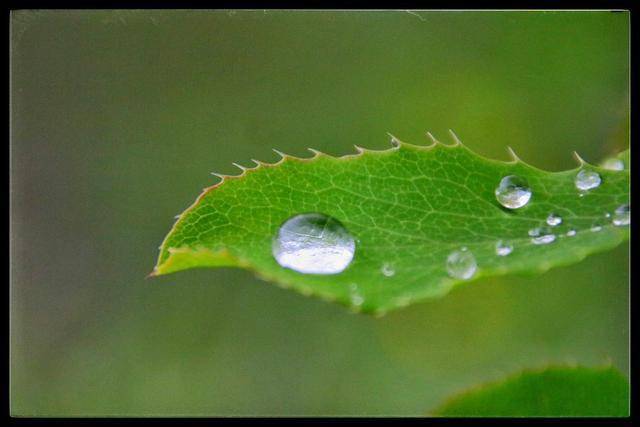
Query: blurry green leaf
<point x="408" y="208"/>
<point x="555" y="391"/>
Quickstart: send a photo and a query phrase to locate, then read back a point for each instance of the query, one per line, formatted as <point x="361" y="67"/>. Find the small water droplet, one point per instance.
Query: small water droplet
<point x="571" y="233"/>
<point x="622" y="216"/>
<point x="541" y="236"/>
<point x="354" y="295"/>
<point x="503" y="249"/>
<point x="313" y="243"/>
<point x="607" y="215"/>
<point x="513" y="192"/>
<point x="461" y="265"/>
<point x="388" y="270"/>
<point x="613" y="164"/>
<point x="596" y="228"/>
<point x="554" y="220"/>
<point x="587" y="180"/>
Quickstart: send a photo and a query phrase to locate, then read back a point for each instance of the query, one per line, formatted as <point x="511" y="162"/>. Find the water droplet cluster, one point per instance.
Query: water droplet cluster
<point x="314" y="243"/>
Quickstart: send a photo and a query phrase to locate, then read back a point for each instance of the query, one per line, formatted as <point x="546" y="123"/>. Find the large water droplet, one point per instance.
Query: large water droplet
<point x="313" y="243"/>
<point x="587" y="180"/>
<point x="554" y="220"/>
<point x="503" y="249"/>
<point x="388" y="270"/>
<point x="513" y="192"/>
<point x="613" y="164"/>
<point x="461" y="265"/>
<point x="541" y="236"/>
<point x="622" y="216"/>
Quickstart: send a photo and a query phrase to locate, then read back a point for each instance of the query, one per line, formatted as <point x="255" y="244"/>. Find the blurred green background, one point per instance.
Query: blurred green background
<point x="118" y="117"/>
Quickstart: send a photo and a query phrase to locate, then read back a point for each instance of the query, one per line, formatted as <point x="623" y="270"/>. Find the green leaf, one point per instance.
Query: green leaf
<point x="555" y="391"/>
<point x="408" y="208"/>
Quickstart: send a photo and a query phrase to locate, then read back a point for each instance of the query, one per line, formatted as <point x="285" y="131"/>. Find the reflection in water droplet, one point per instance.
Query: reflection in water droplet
<point x="622" y="216"/>
<point x="503" y="249"/>
<point x="613" y="164"/>
<point x="541" y="236"/>
<point x="587" y="180"/>
<point x="461" y="265"/>
<point x="513" y="192"/>
<point x="388" y="270"/>
<point x="313" y="243"/>
<point x="554" y="220"/>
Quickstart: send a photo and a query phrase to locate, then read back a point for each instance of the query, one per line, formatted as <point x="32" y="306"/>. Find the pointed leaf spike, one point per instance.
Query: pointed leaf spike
<point x="395" y="142"/>
<point x="242" y="168"/>
<point x="219" y="175"/>
<point x="580" y="160"/>
<point x="513" y="155"/>
<point x="456" y="140"/>
<point x="433" y="138"/>
<point x="257" y="162"/>
<point x="280" y="153"/>
<point x="315" y="152"/>
<point x="359" y="149"/>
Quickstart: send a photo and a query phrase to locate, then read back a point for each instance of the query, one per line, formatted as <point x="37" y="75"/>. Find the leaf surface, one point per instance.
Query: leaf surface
<point x="552" y="392"/>
<point x="408" y="208"/>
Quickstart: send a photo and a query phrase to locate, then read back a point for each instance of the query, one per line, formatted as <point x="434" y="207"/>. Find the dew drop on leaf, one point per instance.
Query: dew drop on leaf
<point x="355" y="297"/>
<point x="541" y="236"/>
<point x="503" y="249"/>
<point x="613" y="164"/>
<point x="554" y="220"/>
<point x="571" y="233"/>
<point x="596" y="228"/>
<point x="314" y="244"/>
<point x="513" y="192"/>
<point x="587" y="180"/>
<point x="622" y="216"/>
<point x="388" y="270"/>
<point x="461" y="265"/>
